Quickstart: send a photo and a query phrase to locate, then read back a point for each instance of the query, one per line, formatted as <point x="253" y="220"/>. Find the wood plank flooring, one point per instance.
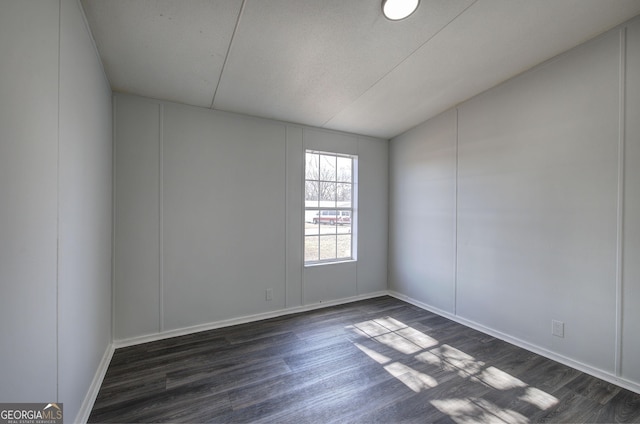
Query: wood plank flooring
<point x="374" y="361"/>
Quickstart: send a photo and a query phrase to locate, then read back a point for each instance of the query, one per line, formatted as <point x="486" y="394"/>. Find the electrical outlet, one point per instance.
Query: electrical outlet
<point x="269" y="294"/>
<point x="557" y="328"/>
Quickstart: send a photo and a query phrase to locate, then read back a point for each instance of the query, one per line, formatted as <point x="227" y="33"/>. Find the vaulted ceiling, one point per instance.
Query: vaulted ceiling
<point x="336" y="64"/>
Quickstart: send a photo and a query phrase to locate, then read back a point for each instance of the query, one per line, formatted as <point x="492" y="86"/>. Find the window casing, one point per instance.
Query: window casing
<point x="330" y="207"/>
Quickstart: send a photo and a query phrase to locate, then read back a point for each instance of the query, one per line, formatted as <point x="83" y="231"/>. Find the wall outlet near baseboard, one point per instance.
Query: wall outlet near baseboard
<point x="269" y="294"/>
<point x="557" y="328"/>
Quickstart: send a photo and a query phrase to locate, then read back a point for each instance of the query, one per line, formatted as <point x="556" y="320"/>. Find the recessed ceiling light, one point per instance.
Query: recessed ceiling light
<point x="398" y="9"/>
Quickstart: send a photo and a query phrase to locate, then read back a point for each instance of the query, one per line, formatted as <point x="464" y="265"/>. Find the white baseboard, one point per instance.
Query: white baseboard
<point x="96" y="383"/>
<point x="87" y="404"/>
<point x="94" y="388"/>
<point x="587" y="369"/>
<point x="240" y="320"/>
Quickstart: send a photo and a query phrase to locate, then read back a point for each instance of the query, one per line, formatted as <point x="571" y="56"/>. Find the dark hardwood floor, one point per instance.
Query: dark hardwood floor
<point x="374" y="361"/>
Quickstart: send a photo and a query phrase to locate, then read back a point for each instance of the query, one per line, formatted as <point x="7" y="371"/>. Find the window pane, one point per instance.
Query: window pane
<point x="328" y="195"/>
<point x="327" y="168"/>
<point x="312" y="166"/>
<point x="327" y="247"/>
<point x="344" y="246"/>
<point x="329" y="202"/>
<point x="311" y="249"/>
<point x="344" y="169"/>
<point x="344" y="228"/>
<point x="311" y="223"/>
<point x="328" y="221"/>
<point x="311" y="191"/>
<point x="311" y="215"/>
<point x="343" y="195"/>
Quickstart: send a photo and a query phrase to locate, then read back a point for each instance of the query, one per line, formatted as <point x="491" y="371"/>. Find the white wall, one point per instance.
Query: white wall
<point x="28" y="210"/>
<point x="137" y="218"/>
<point x="537" y="204"/>
<point x="84" y="211"/>
<point x="513" y="209"/>
<point x="209" y="214"/>
<point x="55" y="182"/>
<point x="373" y="214"/>
<point x="422" y="213"/>
<point x="630" y="366"/>
<point x="223" y="225"/>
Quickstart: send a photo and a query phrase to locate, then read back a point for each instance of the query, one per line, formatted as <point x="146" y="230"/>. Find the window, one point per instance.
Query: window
<point x="329" y="194"/>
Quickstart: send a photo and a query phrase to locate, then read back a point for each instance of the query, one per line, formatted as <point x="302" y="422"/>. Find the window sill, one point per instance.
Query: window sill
<point x="316" y="264"/>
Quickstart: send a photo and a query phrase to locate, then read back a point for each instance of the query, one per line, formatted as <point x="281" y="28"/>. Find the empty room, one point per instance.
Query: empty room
<point x="314" y="211"/>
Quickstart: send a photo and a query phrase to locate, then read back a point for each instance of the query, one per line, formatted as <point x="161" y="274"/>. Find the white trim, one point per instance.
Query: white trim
<point x="303" y="191"/>
<point x="87" y="404"/>
<point x="455" y="212"/>
<point x="328" y="261"/>
<point x="596" y="372"/>
<point x="57" y="324"/>
<point x="113" y="216"/>
<point x="241" y="320"/>
<point x="352" y="209"/>
<point x="160" y="217"/>
<point x="620" y="202"/>
<point x="286" y="216"/>
<point x="94" y="388"/>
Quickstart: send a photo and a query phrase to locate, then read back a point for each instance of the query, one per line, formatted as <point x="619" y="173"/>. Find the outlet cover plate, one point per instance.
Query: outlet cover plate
<point x="557" y="328"/>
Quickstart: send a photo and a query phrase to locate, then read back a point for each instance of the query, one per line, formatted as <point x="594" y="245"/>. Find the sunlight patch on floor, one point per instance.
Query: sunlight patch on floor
<point x="416" y="345"/>
<point x="391" y="324"/>
<point x="372" y="328"/>
<point x="498" y="379"/>
<point x="415" y="380"/>
<point x="538" y="398"/>
<point x="451" y="359"/>
<point x="418" y="337"/>
<point x="376" y="356"/>
<point x="477" y="410"/>
<point x="399" y="343"/>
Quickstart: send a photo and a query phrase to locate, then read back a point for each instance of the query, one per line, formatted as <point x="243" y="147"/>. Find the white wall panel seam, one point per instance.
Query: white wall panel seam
<point x="58" y="214"/>
<point x="160" y="221"/>
<point x="286" y="215"/>
<point x="389" y="207"/>
<point x="357" y="208"/>
<point x="455" y="219"/>
<point x="303" y="158"/>
<point x="302" y="196"/>
<point x="114" y="100"/>
<point x="620" y="205"/>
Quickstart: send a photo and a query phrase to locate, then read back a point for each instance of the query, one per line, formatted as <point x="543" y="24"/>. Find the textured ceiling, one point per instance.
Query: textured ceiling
<point x="334" y="63"/>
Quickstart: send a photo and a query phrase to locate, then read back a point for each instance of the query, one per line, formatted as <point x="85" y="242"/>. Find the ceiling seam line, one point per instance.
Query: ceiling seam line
<point x="400" y="63"/>
<point x="226" y="56"/>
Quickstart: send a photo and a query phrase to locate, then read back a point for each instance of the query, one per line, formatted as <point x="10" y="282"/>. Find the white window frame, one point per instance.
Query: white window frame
<point x="352" y="209"/>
